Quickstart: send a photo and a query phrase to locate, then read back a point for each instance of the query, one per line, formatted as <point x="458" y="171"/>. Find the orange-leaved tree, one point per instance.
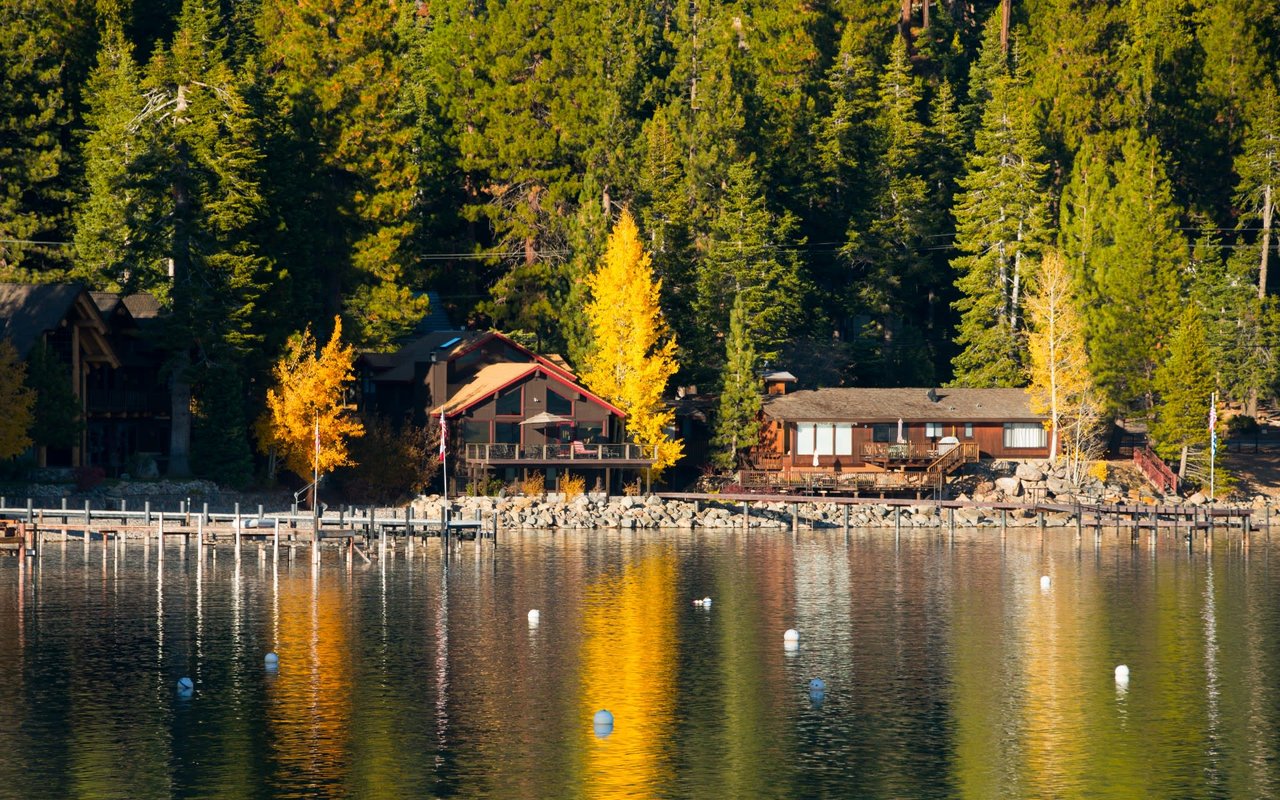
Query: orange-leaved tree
<point x="633" y="353"/>
<point x="308" y="393"/>
<point x="16" y="403"/>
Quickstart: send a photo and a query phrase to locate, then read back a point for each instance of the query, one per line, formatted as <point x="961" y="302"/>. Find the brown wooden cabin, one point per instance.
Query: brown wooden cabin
<point x="510" y="411"/>
<point x="65" y="319"/>
<point x="852" y="431"/>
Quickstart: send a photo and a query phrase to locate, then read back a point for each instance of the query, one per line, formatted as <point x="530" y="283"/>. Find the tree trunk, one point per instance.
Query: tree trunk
<point x="904" y="21"/>
<point x="1267" y="211"/>
<point x="1182" y="466"/>
<point x="924" y="20"/>
<point x="180" y="422"/>
<point x="1006" y="15"/>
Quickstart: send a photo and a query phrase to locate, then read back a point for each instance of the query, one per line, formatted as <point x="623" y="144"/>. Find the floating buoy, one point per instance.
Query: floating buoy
<point x="271" y="661"/>
<point x="1044" y="582"/>
<point x="817" y="685"/>
<point x="1122" y="675"/>
<point x="698" y="602"/>
<point x="534" y="616"/>
<point x="602" y="723"/>
<point x="706" y="601"/>
<point x="792" y="635"/>
<point x="185" y="686"/>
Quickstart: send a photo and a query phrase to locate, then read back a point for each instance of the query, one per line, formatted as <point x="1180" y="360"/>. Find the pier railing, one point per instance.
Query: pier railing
<point x="603" y="454"/>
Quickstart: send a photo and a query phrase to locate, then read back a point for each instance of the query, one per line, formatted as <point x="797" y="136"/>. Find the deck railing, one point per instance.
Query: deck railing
<point x="916" y="451"/>
<point x="1158" y="472"/>
<point x="561" y="451"/>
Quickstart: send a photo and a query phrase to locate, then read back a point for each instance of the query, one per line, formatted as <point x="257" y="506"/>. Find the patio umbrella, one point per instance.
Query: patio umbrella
<point x="545" y="418"/>
<point x="901" y="440"/>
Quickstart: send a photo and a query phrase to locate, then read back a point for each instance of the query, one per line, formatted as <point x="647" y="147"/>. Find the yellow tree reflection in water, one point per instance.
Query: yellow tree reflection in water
<point x="309" y="706"/>
<point x="629" y="667"/>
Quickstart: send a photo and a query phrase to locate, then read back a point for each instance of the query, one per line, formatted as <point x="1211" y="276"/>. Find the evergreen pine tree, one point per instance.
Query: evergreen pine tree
<point x="1184" y="383"/>
<point x="1258" y="190"/>
<point x="738" y="421"/>
<point x="34" y="111"/>
<point x="751" y="256"/>
<point x="1135" y="277"/>
<point x="1000" y="226"/>
<point x="339" y="79"/>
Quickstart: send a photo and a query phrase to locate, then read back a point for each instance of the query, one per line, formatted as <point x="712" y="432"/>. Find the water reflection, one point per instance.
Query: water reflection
<point x="948" y="671"/>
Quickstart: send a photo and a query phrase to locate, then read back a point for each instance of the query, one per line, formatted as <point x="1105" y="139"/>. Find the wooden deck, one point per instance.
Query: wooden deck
<point x="898" y="468"/>
<point x="563" y="454"/>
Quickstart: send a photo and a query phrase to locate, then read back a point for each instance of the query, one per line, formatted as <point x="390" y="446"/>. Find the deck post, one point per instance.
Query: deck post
<point x="31" y="514"/>
<point x="897" y="520"/>
<point x="87" y="516"/>
<point x="1040" y="512"/>
<point x="746" y="517"/>
<point x="237" y="531"/>
<point x="159" y="540"/>
<point x="846" y="521"/>
<point x="408" y="532"/>
<point x="146" y="513"/>
<point x="1079" y="522"/>
<point x="1004" y="520"/>
<point x="64" y="511"/>
<point x="795" y="517"/>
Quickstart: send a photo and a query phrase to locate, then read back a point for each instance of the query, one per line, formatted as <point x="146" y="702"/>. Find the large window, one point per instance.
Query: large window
<point x="824" y="438"/>
<point x="882" y="433"/>
<point x="508" y="404"/>
<point x="506" y="432"/>
<point x="1023" y="435"/>
<point x="475" y="432"/>
<point x="933" y="430"/>
<point x="559" y="404"/>
<point x="590" y="432"/>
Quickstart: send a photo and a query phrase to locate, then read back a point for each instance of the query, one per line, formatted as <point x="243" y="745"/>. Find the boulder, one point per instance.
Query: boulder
<point x="1029" y="472"/>
<point x="1057" y="485"/>
<point x="1197" y="499"/>
<point x="1010" y="486"/>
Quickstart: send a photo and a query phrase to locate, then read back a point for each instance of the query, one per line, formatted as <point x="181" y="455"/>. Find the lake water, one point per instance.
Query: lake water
<point x="949" y="671"/>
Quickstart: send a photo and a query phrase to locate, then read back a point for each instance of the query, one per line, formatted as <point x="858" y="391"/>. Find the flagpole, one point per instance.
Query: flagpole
<point x="1213" y="441"/>
<point x="315" y="497"/>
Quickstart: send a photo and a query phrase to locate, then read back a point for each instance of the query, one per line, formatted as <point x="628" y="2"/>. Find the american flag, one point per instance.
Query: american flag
<point x="1213" y="414"/>
<point x="444" y="435"/>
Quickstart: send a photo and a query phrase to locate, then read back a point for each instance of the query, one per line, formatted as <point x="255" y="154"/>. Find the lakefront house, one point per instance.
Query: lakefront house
<point x="906" y="439"/>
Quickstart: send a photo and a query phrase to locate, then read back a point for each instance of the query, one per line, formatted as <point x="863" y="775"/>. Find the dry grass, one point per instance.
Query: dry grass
<point x="572" y="486"/>
<point x="533" y="485"/>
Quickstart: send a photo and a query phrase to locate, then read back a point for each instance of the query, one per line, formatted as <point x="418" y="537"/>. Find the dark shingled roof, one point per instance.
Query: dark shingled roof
<point x="890" y="405"/>
<point x="399" y="366"/>
<point x="29" y="310"/>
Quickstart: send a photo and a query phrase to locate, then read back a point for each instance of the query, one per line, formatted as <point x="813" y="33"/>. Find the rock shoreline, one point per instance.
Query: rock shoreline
<point x="648" y="513"/>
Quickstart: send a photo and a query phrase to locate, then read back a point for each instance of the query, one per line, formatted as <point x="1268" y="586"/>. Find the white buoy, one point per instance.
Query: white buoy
<point x="1122" y="675"/>
<point x="185" y="686"/>
<point x="271" y="660"/>
<point x="792" y="635"/>
<point x="1044" y="582"/>
<point x="697" y="602"/>
<point x="534" y="616"/>
<point x="602" y="717"/>
<point x="706" y="601"/>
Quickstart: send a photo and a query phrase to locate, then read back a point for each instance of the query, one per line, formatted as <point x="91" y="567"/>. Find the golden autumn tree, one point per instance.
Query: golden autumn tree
<point x="308" y="391"/>
<point x="632" y="353"/>
<point x="17" y="403"/>
<point x="1061" y="384"/>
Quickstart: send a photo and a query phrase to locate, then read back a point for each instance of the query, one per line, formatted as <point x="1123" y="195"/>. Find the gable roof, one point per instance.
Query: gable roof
<point x="890" y="405"/>
<point x="493" y="378"/>
<point x="399" y="366"/>
<point x="28" y="311"/>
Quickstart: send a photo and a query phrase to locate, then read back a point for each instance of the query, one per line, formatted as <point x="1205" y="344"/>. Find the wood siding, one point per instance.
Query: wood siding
<point x="778" y="443"/>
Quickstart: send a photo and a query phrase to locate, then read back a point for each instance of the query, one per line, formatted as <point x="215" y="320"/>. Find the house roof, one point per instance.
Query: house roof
<point x="28" y="311"/>
<point x="493" y="378"/>
<point x="780" y="377"/>
<point x="890" y="405"/>
<point x="399" y="366"/>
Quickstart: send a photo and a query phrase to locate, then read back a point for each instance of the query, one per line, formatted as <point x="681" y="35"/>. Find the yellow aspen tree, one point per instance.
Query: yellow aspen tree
<point x="17" y="403"/>
<point x="1061" y="384"/>
<point x="309" y="388"/>
<point x="632" y="353"/>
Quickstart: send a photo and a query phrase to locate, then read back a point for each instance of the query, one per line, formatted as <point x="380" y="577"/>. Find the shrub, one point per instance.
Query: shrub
<point x="390" y="464"/>
<point x="534" y="484"/>
<point x="1098" y="469"/>
<point x="631" y="489"/>
<point x="572" y="486"/>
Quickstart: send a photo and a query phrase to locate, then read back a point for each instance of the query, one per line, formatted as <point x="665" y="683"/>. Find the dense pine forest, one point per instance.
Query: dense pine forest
<point x="874" y="186"/>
